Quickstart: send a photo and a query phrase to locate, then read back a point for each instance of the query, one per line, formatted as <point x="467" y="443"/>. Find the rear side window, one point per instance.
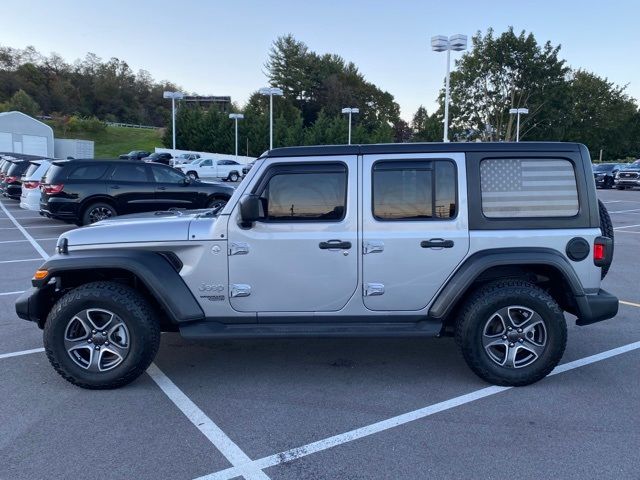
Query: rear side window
<point x="130" y="173"/>
<point x="87" y="172"/>
<point x="306" y="195"/>
<point x="526" y="188"/>
<point x="414" y="190"/>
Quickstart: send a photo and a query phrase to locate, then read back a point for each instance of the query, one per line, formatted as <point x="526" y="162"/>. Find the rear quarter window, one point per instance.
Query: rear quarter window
<point x="528" y="188"/>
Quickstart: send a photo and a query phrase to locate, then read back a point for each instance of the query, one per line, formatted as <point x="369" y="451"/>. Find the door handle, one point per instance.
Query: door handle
<point x="436" y="243"/>
<point x="115" y="187"/>
<point x="162" y="188"/>
<point x="339" y="244"/>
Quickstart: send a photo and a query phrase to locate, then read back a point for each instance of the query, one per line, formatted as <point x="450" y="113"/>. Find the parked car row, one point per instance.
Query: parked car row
<point x="618" y="175"/>
<point x="86" y="191"/>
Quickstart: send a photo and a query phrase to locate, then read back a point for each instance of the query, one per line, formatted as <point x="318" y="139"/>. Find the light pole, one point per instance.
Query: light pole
<point x="270" y="91"/>
<point x="350" y="111"/>
<point x="173" y="96"/>
<point x="518" y="112"/>
<point x="235" y="117"/>
<point x="441" y="43"/>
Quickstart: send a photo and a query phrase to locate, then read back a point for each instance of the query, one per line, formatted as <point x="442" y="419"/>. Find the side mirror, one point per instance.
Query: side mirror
<point x="249" y="209"/>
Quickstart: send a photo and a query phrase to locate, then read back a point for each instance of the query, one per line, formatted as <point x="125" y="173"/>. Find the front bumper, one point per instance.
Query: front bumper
<point x="34" y="304"/>
<point x="596" y="308"/>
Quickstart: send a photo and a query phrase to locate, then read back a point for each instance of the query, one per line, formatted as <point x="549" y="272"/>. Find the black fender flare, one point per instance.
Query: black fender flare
<point x="476" y="264"/>
<point x="159" y="273"/>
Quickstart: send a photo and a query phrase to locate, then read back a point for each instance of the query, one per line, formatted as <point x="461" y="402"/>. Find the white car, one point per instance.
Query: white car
<point x="183" y="158"/>
<point x="213" y="169"/>
<point x="30" y="196"/>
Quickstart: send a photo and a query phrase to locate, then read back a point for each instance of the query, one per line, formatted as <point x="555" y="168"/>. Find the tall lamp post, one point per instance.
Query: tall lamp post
<point x="173" y="96"/>
<point x="441" y="43"/>
<point x="271" y="91"/>
<point x="235" y="117"/>
<point x="350" y="111"/>
<point x="518" y="112"/>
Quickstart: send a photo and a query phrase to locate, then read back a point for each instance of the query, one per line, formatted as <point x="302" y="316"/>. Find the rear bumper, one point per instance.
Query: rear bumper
<point x="61" y="208"/>
<point x="597" y="307"/>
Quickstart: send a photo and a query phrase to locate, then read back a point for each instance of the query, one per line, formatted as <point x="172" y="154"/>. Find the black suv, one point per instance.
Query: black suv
<point x="135" y="155"/>
<point x="11" y="185"/>
<point x="164" y="158"/>
<point x="605" y="173"/>
<point x="86" y="191"/>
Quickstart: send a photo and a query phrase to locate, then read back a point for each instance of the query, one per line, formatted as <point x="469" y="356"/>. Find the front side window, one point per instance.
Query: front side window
<point x="526" y="188"/>
<point x="414" y="190"/>
<point x="167" y="175"/>
<point x="306" y="195"/>
<point x="206" y="163"/>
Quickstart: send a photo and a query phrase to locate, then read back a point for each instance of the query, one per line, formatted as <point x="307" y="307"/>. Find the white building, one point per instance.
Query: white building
<point x="20" y="133"/>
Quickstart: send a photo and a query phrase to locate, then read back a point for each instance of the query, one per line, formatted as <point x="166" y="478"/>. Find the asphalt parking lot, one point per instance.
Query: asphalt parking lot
<point x="320" y="409"/>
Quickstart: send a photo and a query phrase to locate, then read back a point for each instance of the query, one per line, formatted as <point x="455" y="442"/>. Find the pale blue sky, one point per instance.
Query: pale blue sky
<point x="219" y="47"/>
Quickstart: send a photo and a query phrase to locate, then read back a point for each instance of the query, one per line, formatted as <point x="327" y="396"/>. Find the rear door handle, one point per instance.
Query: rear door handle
<point x="339" y="244"/>
<point x="436" y="243"/>
<point x="115" y="187"/>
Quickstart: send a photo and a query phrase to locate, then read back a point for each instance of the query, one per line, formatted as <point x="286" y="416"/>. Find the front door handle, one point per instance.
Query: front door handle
<point x="436" y="243"/>
<point x="162" y="188"/>
<point x="115" y="187"/>
<point x="339" y="244"/>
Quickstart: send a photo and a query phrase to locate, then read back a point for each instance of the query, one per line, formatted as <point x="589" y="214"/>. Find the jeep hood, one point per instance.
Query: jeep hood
<point x="141" y="227"/>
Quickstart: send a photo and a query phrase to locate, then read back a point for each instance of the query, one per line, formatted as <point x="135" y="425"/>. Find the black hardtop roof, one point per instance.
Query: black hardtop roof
<point x="383" y="148"/>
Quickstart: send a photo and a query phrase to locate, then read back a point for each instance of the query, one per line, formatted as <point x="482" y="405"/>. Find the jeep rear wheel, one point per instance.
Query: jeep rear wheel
<point x="101" y="335"/>
<point x="511" y="333"/>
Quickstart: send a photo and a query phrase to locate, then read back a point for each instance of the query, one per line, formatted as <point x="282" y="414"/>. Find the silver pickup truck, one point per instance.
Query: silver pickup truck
<point x="488" y="242"/>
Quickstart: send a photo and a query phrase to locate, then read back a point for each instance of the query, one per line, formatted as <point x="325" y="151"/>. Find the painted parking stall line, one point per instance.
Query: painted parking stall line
<point x="20" y="353"/>
<point x="358" y="433"/>
<point x="196" y="416"/>
<point x="17" y="292"/>
<point x="22" y="260"/>
<point x="631" y="304"/>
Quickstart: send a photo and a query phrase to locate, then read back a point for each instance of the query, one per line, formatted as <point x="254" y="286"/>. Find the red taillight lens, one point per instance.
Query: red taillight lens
<point x="30" y="185"/>
<point x="11" y="179"/>
<point x="51" y="189"/>
<point x="599" y="252"/>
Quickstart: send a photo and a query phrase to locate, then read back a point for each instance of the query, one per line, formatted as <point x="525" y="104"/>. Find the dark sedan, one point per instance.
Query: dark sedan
<point x="135" y="155"/>
<point x="164" y="158"/>
<point x="605" y="173"/>
<point x="86" y="191"/>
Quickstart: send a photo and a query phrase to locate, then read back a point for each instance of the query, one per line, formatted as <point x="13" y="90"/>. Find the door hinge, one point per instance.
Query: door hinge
<point x="373" y="289"/>
<point x="238" y="248"/>
<point x="372" y="246"/>
<point x="240" y="290"/>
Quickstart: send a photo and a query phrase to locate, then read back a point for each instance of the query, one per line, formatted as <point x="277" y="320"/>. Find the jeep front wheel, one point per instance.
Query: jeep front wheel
<point x="511" y="333"/>
<point x="101" y="335"/>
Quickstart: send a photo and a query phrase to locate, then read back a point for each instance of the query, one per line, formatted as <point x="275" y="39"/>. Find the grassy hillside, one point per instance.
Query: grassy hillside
<point x="113" y="141"/>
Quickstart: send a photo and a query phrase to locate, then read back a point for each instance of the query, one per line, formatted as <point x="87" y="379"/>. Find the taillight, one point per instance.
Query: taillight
<point x="51" y="189"/>
<point x="11" y="179"/>
<point x="599" y="252"/>
<point x="30" y="185"/>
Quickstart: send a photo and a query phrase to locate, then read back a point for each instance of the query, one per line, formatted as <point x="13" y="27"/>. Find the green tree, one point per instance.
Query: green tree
<point x="425" y="127"/>
<point x="22" y="102"/>
<point x="508" y="71"/>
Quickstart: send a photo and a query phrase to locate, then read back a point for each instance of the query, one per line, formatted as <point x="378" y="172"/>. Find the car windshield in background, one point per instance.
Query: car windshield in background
<point x="606" y="167"/>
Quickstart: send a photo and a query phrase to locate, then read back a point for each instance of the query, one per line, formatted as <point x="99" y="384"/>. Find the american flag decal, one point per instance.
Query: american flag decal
<point x="528" y="188"/>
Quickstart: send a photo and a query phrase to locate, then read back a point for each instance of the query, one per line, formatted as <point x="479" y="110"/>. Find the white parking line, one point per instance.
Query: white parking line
<point x="17" y="292"/>
<point x="631" y="304"/>
<point x="24" y="241"/>
<point x="197" y="417"/>
<point x="626" y="226"/>
<point x="38" y="226"/>
<point x="627" y="211"/>
<point x="22" y="260"/>
<point x="295" y="453"/>
<point x="35" y="244"/>
<point x="23" y="352"/>
<point x="241" y="462"/>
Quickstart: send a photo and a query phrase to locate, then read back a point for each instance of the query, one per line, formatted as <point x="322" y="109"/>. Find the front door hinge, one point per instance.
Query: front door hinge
<point x="238" y="248"/>
<point x="373" y="289"/>
<point x="240" y="290"/>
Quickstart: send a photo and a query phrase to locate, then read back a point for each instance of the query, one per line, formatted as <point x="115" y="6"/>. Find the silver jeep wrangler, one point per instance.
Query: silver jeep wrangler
<point x="488" y="242"/>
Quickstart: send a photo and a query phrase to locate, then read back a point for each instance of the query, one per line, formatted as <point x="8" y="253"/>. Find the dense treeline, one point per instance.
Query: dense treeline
<point x="90" y="87"/>
<point x="498" y="72"/>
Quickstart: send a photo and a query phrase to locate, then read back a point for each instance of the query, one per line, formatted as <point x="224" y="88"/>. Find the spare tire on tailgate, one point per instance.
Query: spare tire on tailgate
<point x="607" y="231"/>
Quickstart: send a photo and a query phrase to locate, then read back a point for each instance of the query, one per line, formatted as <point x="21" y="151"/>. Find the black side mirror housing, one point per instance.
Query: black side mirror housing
<point x="249" y="209"/>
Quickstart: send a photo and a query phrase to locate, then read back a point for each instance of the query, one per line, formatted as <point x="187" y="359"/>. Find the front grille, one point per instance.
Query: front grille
<point x="628" y="175"/>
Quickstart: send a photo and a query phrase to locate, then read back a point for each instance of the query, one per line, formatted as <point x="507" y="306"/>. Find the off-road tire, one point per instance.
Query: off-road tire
<point x="606" y="226"/>
<point x="487" y="300"/>
<point x="131" y="307"/>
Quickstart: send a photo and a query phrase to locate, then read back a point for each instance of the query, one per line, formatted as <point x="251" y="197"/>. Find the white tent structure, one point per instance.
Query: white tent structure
<point x="20" y="133"/>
